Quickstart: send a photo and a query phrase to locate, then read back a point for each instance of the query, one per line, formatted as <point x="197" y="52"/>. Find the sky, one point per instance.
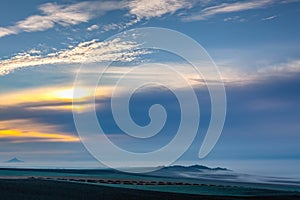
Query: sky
<point x="44" y="44"/>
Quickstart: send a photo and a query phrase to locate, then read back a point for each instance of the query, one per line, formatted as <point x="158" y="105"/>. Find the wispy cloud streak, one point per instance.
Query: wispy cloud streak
<point x="114" y="50"/>
<point x="228" y="8"/>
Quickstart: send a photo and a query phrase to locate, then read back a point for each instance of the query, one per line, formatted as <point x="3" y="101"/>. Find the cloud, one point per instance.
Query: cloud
<point x="255" y="102"/>
<point x="208" y="8"/>
<point x="52" y="14"/>
<point x="93" y="27"/>
<point x="233" y="74"/>
<point x="156" y="8"/>
<point x="292" y="66"/>
<point x="144" y="9"/>
<point x="6" y="31"/>
<point x="48" y="109"/>
<point x="269" y="18"/>
<point x="64" y="15"/>
<point x="228" y="8"/>
<point x="34" y="51"/>
<point x="58" y="98"/>
<point x="120" y="26"/>
<point x="114" y="50"/>
<point x="27" y="130"/>
<point x="234" y="19"/>
<point x="34" y="23"/>
<point x="112" y="26"/>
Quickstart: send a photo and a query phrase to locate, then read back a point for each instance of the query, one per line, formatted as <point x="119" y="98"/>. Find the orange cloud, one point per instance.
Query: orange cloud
<point x="45" y="98"/>
<point x="53" y="98"/>
<point x="28" y="130"/>
<point x="45" y="137"/>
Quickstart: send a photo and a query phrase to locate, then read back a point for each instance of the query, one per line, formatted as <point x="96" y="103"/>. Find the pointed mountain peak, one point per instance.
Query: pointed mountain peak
<point x="14" y="160"/>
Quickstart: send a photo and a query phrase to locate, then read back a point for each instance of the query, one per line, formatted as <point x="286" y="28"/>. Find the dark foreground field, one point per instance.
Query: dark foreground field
<point x="48" y="189"/>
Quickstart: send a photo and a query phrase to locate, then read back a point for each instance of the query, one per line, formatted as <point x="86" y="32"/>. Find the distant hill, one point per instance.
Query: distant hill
<point x="14" y="160"/>
<point x="193" y="171"/>
<point x="194" y="168"/>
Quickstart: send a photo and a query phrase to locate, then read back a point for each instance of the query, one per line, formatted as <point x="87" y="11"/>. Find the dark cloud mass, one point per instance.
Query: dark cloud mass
<point x="260" y="115"/>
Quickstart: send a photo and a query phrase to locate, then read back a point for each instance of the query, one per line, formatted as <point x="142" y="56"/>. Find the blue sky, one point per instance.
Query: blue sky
<point x="255" y="45"/>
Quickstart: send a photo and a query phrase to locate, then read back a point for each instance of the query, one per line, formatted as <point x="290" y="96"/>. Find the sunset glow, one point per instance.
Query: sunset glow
<point x="69" y="94"/>
<point x="21" y="135"/>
